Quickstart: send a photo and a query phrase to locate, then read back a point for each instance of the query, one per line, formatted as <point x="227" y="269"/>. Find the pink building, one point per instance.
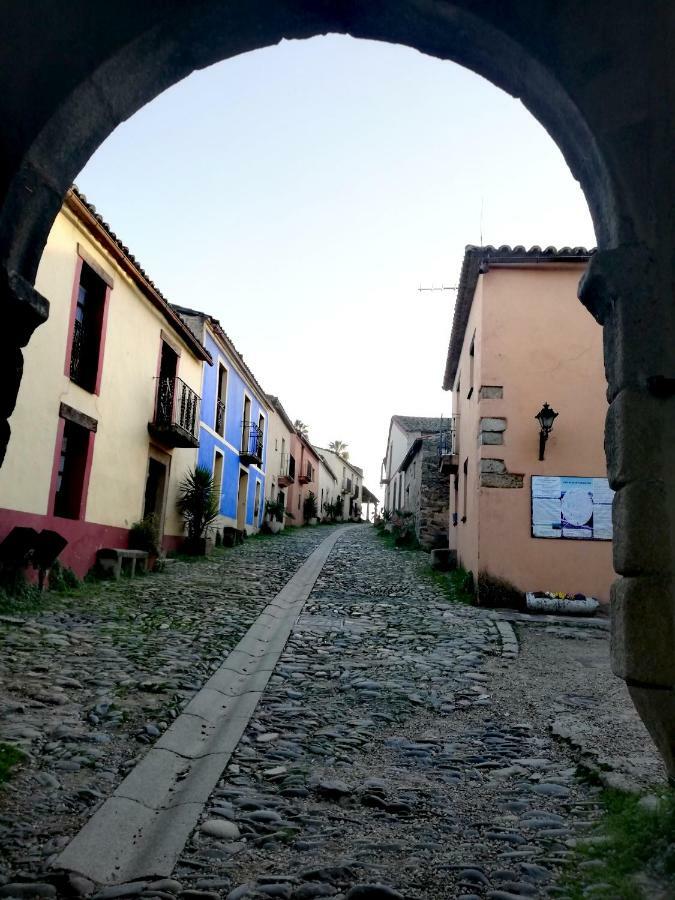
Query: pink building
<point x="521" y="338"/>
<point x="306" y="478"/>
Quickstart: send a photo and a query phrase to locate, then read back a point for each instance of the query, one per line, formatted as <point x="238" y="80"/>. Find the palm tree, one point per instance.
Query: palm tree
<point x="301" y="428"/>
<point x="339" y="447"/>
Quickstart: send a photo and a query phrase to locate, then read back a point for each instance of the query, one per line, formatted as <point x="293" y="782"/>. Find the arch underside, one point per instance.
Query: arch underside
<point x="166" y="51"/>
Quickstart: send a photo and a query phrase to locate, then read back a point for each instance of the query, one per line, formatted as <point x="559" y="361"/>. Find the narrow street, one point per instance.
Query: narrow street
<point x="401" y="747"/>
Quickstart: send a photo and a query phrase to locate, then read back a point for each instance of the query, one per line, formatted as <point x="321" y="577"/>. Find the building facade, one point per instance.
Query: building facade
<point x="425" y="487"/>
<point x="329" y="489"/>
<point x="280" y="459"/>
<point x="306" y="480"/>
<point x="412" y="478"/>
<point x="233" y="429"/>
<point x="521" y="338"/>
<point x="106" y="423"/>
<point x="349" y="482"/>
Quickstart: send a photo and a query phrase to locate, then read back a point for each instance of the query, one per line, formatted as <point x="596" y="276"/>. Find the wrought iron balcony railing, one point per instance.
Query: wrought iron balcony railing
<point x="176" y="421"/>
<point x="307" y="474"/>
<point x="251" y="443"/>
<point x="220" y="418"/>
<point x="286" y="470"/>
<point x="448" y="446"/>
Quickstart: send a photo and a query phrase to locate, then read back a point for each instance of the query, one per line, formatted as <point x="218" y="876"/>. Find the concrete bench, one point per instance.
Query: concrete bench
<point x="110" y="560"/>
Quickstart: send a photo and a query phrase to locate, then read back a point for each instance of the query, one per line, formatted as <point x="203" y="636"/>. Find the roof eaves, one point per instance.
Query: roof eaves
<point x="277" y="404"/>
<point x="94" y="222"/>
<point x="477" y="260"/>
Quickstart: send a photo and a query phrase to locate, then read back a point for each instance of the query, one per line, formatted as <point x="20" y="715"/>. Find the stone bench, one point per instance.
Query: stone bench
<point x="110" y="560"/>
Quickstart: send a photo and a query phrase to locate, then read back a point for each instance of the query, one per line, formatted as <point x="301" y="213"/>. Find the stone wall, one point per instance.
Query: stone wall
<point x="427" y="496"/>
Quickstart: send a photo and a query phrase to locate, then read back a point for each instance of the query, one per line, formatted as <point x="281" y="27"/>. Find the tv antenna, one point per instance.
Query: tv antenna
<point x="442" y="287"/>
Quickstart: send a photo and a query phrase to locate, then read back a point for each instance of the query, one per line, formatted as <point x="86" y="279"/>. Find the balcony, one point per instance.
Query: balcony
<point x="287" y="470"/>
<point x="220" y="418"/>
<point x="357" y="491"/>
<point x="176" y="419"/>
<point x="346" y="485"/>
<point x="448" y="448"/>
<point x="307" y="475"/>
<point x="251" y="444"/>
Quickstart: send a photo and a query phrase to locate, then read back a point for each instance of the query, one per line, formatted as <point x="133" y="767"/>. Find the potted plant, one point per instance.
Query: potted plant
<point x="198" y="505"/>
<point x="310" y="509"/>
<point x="274" y="511"/>
<point x="144" y="535"/>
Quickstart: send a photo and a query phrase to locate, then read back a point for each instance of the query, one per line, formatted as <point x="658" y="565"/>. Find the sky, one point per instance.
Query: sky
<point x="303" y="193"/>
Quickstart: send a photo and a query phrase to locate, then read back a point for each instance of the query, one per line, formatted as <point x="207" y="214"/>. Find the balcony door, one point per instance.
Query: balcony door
<point x="166" y="386"/>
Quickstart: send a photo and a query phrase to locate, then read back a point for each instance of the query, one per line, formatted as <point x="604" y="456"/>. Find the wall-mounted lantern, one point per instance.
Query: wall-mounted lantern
<point x="545" y="417"/>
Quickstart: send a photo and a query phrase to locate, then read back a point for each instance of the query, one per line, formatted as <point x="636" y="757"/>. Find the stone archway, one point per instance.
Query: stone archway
<point x="600" y="78"/>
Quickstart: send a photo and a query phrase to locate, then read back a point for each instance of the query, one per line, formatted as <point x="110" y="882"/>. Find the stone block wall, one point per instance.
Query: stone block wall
<point x="429" y="496"/>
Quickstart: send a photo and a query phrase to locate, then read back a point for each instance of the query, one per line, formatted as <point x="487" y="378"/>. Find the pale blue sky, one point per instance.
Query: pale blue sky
<point x="302" y="193"/>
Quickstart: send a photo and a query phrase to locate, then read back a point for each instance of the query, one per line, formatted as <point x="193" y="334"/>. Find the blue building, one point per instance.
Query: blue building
<point x="233" y="427"/>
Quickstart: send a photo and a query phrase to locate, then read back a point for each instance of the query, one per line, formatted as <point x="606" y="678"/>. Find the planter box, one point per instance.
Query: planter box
<point x="313" y="521"/>
<point x="275" y="526"/>
<point x="586" y="607"/>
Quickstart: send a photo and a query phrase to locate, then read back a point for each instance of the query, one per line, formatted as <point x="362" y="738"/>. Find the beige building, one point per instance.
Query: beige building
<point x="520" y="338"/>
<point x="281" y="463"/>
<point x="107" y="419"/>
<point x="349" y="482"/>
<point x="329" y="487"/>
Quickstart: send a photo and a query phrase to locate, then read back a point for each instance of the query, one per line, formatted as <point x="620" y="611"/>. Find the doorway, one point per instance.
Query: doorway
<point x="156" y="483"/>
<point x="242" y="498"/>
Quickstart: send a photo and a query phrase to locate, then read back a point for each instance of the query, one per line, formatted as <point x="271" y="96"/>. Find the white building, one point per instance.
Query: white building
<point x="349" y="482"/>
<point x="329" y="486"/>
<point x="403" y="432"/>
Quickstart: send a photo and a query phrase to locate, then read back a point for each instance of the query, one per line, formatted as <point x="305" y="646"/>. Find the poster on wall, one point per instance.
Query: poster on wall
<point x="571" y="507"/>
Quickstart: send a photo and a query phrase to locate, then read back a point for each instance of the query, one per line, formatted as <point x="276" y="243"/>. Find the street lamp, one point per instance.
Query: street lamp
<point x="545" y="417"/>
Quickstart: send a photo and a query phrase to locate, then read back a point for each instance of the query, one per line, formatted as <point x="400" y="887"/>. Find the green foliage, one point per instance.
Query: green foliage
<point x="498" y="592"/>
<point x="144" y="535"/>
<point x="62" y="580"/>
<point x="197" y="503"/>
<point x="10" y="757"/>
<point x="339" y="448"/>
<point x="404" y="529"/>
<point x="460" y="586"/>
<point x="310" y="507"/>
<point x="275" y="509"/>
<point x="628" y="841"/>
<point x="333" y="510"/>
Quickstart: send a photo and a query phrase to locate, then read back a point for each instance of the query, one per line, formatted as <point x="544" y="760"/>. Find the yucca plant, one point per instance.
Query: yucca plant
<point x="198" y="505"/>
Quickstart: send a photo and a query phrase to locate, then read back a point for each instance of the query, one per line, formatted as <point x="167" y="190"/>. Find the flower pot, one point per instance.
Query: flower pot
<point x="582" y="606"/>
<point x="275" y="526"/>
<point x="313" y="521"/>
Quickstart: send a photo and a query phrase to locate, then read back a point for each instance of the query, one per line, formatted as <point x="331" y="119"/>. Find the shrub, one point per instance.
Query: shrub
<point x="310" y="508"/>
<point x="275" y="509"/>
<point x="62" y="579"/>
<point x="144" y="535"/>
<point x="198" y="505"/>
<point x="404" y="529"/>
<point x="498" y="592"/>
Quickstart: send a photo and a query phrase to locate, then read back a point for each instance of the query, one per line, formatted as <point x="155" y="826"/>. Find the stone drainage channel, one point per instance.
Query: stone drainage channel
<point x="142" y="828"/>
<point x="347" y="748"/>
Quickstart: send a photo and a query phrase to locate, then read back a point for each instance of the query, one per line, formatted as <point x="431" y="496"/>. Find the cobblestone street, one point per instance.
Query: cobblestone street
<point x="396" y="751"/>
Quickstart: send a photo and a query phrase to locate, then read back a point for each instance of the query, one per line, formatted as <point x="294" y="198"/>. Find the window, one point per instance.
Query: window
<point x="472" y="357"/>
<point x="245" y="432"/>
<point x="465" y="469"/>
<point x="299" y="500"/>
<point x="256" y="504"/>
<point x="221" y="398"/>
<point x="87" y="329"/>
<point x="70" y="476"/>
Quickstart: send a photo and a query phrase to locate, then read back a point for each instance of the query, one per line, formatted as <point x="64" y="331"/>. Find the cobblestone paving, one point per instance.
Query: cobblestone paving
<point x="85" y="688"/>
<point x="378" y="765"/>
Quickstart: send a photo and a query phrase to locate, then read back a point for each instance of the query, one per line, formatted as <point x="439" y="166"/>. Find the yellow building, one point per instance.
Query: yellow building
<point x="107" y="419"/>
